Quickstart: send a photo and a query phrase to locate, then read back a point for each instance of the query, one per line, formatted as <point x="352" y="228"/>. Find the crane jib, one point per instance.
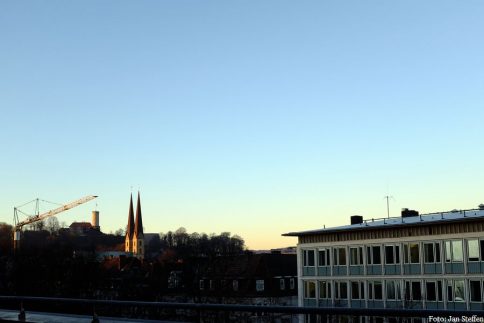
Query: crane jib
<point x="50" y="213"/>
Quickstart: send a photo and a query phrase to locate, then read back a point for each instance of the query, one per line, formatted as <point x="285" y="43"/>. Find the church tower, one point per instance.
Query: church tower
<point x="138" y="236"/>
<point x="128" y="245"/>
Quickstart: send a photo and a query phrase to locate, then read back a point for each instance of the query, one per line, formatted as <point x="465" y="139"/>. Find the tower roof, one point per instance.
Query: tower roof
<point x="138" y="229"/>
<point x="131" y="225"/>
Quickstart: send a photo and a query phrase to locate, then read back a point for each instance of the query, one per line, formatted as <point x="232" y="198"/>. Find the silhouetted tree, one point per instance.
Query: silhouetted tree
<point x="6" y="238"/>
<point x="154" y="246"/>
<point x="196" y="245"/>
<point x="119" y="232"/>
<point x="52" y="225"/>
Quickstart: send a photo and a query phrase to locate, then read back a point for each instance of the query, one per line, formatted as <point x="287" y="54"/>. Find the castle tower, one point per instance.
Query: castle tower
<point x="138" y="236"/>
<point x="128" y="245"/>
<point x="95" y="220"/>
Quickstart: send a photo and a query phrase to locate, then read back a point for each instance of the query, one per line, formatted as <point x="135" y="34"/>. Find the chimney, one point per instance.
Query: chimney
<point x="406" y="213"/>
<point x="356" y="219"/>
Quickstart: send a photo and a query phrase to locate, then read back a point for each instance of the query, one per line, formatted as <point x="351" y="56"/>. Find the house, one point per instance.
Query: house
<point x="80" y="228"/>
<point x="431" y="261"/>
<point x="250" y="279"/>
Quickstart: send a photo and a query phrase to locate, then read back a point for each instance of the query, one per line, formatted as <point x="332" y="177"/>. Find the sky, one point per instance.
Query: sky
<point x="251" y="117"/>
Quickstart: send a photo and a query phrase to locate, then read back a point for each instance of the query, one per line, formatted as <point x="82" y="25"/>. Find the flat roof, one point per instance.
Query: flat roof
<point x="369" y="224"/>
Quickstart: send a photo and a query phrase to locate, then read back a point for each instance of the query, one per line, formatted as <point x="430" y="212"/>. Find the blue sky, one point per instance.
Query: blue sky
<point x="253" y="117"/>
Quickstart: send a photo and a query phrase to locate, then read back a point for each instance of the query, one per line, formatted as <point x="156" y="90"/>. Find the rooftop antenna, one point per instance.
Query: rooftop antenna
<point x="388" y="197"/>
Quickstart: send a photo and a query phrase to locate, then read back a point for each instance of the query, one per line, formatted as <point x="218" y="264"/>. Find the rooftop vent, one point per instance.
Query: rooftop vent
<point x="406" y="213"/>
<point x="481" y="206"/>
<point x="356" y="219"/>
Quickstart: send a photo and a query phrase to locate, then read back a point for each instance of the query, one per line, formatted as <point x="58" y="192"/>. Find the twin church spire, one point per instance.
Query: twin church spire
<point x="134" y="242"/>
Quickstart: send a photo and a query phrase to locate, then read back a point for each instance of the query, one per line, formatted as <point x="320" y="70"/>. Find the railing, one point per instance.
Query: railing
<point x="90" y="306"/>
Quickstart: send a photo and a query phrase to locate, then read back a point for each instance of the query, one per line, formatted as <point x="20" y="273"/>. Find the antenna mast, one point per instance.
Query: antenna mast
<point x="387" y="197"/>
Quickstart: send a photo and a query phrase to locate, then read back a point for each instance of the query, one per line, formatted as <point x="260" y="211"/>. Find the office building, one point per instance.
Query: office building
<point x="431" y="261"/>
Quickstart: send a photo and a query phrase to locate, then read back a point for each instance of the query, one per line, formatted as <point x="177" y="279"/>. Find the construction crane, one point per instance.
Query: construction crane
<point x="39" y="217"/>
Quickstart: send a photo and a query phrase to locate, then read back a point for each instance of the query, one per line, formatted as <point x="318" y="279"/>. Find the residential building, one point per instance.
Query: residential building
<point x="261" y="279"/>
<point x="80" y="228"/>
<point x="432" y="261"/>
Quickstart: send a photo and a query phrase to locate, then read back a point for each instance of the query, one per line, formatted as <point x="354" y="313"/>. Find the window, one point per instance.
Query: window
<point x="411" y="253"/>
<point x="357" y="290"/>
<point x="235" y="285"/>
<point x="431" y="252"/>
<point x="457" y="250"/>
<point x="341" y="290"/>
<point x="459" y="295"/>
<point x="373" y="255"/>
<point x="324" y="257"/>
<point x="475" y="291"/>
<point x="308" y="256"/>
<point x="440" y="295"/>
<point x="393" y="289"/>
<point x="292" y="284"/>
<point x="482" y="250"/>
<point x="201" y="284"/>
<point x="325" y="290"/>
<point x="455" y="291"/>
<point x="259" y="285"/>
<point x="416" y="291"/>
<point x="473" y="250"/>
<point x="392" y="255"/>
<point x="431" y="291"/>
<point x="450" y="293"/>
<point x="282" y="284"/>
<point x="211" y="284"/>
<point x="448" y="251"/>
<point x="309" y="289"/>
<point x="413" y="291"/>
<point x="375" y="290"/>
<point x="340" y="256"/>
<point x="453" y="251"/>
<point x="356" y="256"/>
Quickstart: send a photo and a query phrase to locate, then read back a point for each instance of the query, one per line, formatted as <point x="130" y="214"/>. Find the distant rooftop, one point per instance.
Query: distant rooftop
<point x="430" y="218"/>
<point x="85" y="225"/>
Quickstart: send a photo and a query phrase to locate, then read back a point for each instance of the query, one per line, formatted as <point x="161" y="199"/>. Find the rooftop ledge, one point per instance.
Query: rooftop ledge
<point x="430" y="218"/>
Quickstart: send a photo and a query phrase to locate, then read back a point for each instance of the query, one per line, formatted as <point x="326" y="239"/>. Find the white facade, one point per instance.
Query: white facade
<point x="424" y="262"/>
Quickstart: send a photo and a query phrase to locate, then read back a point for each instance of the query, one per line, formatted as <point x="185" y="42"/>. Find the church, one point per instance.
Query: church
<point x="134" y="243"/>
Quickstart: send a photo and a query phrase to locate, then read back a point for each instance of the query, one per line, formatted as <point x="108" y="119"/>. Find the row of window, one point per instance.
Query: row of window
<point x="393" y="253"/>
<point x="323" y="318"/>
<point x="396" y="290"/>
<point x="259" y="284"/>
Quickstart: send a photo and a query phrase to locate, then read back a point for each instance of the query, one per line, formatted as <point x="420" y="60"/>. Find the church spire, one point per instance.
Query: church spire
<point x="138" y="229"/>
<point x="131" y="225"/>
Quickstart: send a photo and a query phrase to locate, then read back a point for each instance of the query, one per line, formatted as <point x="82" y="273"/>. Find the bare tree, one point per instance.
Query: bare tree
<point x="119" y="232"/>
<point x="52" y="225"/>
<point x="37" y="226"/>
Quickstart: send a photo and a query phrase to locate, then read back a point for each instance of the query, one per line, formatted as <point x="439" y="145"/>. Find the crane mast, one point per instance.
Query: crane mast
<point x="39" y="217"/>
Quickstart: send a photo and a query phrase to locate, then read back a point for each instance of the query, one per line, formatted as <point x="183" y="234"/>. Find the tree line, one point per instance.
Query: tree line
<point x="197" y="244"/>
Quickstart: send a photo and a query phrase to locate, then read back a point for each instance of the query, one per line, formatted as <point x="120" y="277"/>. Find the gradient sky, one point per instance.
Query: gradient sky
<point x="253" y="117"/>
